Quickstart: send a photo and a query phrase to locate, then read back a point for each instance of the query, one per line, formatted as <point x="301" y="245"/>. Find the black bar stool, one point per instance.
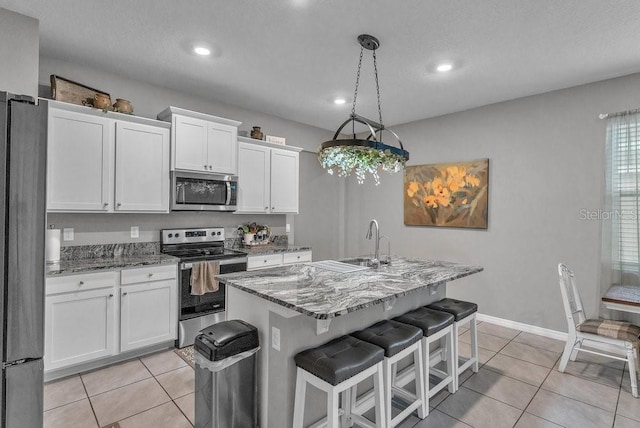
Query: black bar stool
<point x="464" y="312"/>
<point x="398" y="341"/>
<point x="334" y="368"/>
<point x="435" y="326"/>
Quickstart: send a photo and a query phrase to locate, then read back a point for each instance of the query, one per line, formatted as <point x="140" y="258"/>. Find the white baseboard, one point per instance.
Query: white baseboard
<point x="552" y="334"/>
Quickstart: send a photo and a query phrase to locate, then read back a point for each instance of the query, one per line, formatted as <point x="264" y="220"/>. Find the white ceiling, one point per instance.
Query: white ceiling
<point x="290" y="58"/>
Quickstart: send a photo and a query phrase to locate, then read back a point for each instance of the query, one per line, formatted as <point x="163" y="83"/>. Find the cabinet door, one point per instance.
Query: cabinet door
<point x="190" y="144"/>
<point x="222" y="148"/>
<point x="80" y="162"/>
<point x="253" y="178"/>
<point x="79" y="327"/>
<point x="148" y="314"/>
<point x="142" y="168"/>
<point x="284" y="181"/>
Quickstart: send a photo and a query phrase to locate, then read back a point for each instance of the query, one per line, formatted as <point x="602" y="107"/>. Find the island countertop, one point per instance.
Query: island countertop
<point x="325" y="294"/>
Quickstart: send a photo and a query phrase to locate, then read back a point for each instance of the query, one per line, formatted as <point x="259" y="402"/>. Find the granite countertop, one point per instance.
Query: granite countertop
<point x="261" y="250"/>
<point x="66" y="267"/>
<point x="324" y="294"/>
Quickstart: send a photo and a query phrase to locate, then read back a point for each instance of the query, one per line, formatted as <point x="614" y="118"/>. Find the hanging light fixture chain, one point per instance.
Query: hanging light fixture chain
<point x="355" y="94"/>
<point x="375" y="71"/>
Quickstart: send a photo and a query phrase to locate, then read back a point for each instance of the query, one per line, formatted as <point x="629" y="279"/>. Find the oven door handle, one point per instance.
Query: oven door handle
<point x="223" y="262"/>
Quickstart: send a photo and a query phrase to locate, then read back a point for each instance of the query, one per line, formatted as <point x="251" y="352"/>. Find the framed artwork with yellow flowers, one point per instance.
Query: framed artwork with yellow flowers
<point x="447" y="194"/>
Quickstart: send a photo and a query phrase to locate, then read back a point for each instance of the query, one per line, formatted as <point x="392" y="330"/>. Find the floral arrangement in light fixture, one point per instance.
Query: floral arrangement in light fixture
<point x="360" y="160"/>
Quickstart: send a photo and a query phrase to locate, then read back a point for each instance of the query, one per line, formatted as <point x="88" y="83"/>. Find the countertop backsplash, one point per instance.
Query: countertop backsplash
<point x="101" y="251"/>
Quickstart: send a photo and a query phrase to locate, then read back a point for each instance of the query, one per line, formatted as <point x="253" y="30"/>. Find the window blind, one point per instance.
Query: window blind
<point x="624" y="180"/>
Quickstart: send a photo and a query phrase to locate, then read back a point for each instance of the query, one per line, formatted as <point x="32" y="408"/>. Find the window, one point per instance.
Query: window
<point x="623" y="186"/>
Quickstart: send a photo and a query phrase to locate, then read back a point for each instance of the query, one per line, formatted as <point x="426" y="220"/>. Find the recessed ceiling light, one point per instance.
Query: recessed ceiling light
<point x="201" y="50"/>
<point x="339" y="101"/>
<point x="443" y="68"/>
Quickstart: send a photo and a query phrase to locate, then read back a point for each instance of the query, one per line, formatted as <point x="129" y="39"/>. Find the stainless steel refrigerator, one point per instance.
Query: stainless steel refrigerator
<point x="23" y="151"/>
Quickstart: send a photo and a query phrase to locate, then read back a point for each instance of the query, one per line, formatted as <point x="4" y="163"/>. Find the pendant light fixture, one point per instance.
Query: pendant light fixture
<point x="369" y="155"/>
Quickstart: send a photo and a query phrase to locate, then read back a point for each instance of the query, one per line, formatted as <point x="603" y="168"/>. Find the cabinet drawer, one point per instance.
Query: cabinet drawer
<point x="88" y="281"/>
<point x="269" y="260"/>
<point x="298" y="257"/>
<point x="154" y="273"/>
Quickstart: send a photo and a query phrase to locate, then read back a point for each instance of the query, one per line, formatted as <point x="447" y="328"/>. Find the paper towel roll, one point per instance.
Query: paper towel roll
<point x="52" y="246"/>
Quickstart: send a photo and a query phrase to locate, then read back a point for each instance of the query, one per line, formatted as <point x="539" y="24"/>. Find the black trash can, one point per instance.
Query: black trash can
<point x="226" y="389"/>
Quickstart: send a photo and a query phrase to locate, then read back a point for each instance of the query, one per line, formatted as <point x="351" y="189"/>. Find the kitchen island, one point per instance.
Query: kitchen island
<point x="302" y="306"/>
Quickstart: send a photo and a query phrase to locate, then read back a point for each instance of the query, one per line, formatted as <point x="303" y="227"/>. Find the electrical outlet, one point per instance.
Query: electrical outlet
<point x="67" y="234"/>
<point x="288" y="228"/>
<point x="275" y="338"/>
<point x="135" y="232"/>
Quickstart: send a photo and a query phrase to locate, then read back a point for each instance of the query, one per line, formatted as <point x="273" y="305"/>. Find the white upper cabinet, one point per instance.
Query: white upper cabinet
<point x="142" y="168"/>
<point x="106" y="162"/>
<point x="80" y="159"/>
<point x="284" y="181"/>
<point x="268" y="177"/>
<point x="191" y="152"/>
<point x="254" y="171"/>
<point x="201" y="142"/>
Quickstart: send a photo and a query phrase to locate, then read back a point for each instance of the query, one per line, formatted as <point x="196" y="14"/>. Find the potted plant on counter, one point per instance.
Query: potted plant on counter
<point x="254" y="234"/>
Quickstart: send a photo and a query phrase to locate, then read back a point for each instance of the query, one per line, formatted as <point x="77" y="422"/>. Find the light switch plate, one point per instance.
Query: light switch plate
<point x="275" y="338"/>
<point x="288" y="228"/>
<point x="135" y="232"/>
<point x="67" y="234"/>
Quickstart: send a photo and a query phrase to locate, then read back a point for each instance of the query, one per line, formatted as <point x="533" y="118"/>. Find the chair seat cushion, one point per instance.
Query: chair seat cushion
<point x="609" y="328"/>
<point x="458" y="308"/>
<point x="428" y="320"/>
<point x="339" y="359"/>
<point x="392" y="336"/>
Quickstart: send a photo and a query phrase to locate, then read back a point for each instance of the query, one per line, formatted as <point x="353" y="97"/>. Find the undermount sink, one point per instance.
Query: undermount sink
<point x="359" y="261"/>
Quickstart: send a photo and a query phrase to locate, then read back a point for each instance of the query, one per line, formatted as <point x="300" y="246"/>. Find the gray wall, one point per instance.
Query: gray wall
<point x="19" y="50"/>
<point x="148" y="100"/>
<point x="546" y="164"/>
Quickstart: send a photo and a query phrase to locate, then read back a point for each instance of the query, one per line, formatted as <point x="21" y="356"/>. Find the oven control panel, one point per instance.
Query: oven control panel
<point x="185" y="236"/>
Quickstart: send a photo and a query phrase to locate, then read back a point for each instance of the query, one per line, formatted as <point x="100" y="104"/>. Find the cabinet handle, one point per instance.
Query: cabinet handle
<point x="265" y="261"/>
<point x="206" y="167"/>
<point x="124" y="294"/>
<point x="266" y="208"/>
<point x="81" y="283"/>
<point x="110" y="295"/>
<point x="119" y="204"/>
<point x="298" y="256"/>
<point x="106" y="204"/>
<point x="210" y="167"/>
<point x="273" y="208"/>
<point x="150" y="274"/>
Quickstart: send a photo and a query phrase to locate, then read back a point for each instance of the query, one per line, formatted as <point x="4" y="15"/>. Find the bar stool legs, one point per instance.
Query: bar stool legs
<point x="473" y="361"/>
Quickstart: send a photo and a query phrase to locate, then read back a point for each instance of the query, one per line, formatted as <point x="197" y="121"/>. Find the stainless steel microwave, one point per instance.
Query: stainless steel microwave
<point x="193" y="191"/>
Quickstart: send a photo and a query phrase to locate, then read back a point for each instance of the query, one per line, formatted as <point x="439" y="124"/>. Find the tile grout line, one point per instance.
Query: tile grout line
<point x="89" y="399"/>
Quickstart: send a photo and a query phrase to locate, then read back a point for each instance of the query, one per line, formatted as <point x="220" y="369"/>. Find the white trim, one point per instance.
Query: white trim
<point x="540" y="331"/>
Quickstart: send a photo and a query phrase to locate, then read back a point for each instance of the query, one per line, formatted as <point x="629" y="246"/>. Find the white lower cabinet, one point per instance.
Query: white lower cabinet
<point x="148" y="314"/>
<point x="79" y="325"/>
<point x="85" y="321"/>
<point x="278" y="259"/>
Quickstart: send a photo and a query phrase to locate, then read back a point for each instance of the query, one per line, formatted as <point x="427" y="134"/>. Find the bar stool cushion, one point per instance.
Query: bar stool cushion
<point x="392" y="336"/>
<point x="429" y="320"/>
<point x="458" y="308"/>
<point x="338" y="360"/>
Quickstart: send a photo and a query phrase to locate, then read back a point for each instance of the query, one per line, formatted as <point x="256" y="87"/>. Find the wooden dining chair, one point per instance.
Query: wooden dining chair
<point x="618" y="339"/>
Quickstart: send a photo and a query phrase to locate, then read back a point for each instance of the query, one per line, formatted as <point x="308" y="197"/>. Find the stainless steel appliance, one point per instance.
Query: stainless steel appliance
<point x="23" y="162"/>
<point x="203" y="191"/>
<point x="193" y="246"/>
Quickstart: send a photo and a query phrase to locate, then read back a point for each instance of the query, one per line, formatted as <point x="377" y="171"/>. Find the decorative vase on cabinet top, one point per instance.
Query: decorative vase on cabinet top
<point x="256" y="133"/>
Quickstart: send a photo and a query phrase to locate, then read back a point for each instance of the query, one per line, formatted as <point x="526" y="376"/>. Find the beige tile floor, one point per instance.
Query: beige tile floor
<point x="518" y="385"/>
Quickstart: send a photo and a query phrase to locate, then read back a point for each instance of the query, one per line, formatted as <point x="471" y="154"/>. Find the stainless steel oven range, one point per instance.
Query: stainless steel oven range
<point x="194" y="246"/>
